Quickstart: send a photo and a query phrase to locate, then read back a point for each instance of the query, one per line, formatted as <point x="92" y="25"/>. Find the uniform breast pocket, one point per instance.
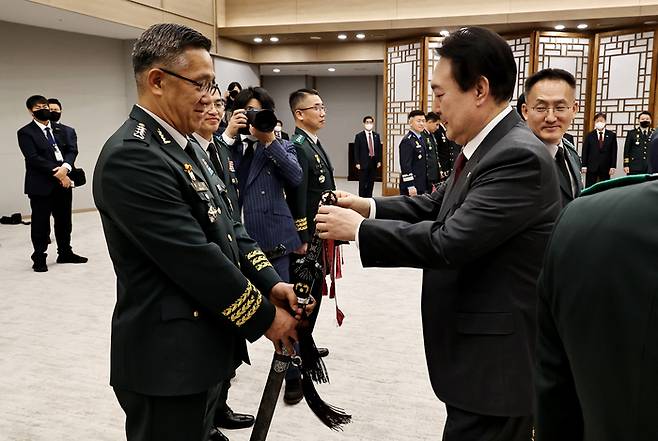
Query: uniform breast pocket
<point x="485" y="323"/>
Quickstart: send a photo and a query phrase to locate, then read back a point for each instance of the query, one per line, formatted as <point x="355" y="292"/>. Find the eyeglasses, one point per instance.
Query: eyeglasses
<point x="218" y="105"/>
<point x="209" y="87"/>
<point x="317" y="108"/>
<point x="558" y="110"/>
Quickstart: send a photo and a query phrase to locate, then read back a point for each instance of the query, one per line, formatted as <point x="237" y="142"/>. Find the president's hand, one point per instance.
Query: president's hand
<point x="337" y="223"/>
<point x="356" y="203"/>
<point x="612" y="171"/>
<point x="283" y="331"/>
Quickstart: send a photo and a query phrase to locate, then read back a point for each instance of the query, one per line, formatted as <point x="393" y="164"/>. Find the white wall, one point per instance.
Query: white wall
<point x="348" y="99"/>
<point x="280" y="88"/>
<point x="88" y="75"/>
<point x="227" y="71"/>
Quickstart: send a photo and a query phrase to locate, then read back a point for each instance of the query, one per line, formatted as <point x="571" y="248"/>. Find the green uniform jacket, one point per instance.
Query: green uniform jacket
<point x="636" y="151"/>
<point x="228" y="175"/>
<point x="189" y="278"/>
<point x="317" y="177"/>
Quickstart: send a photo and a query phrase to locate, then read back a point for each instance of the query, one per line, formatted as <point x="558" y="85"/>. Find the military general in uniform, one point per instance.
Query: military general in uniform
<point x="636" y="146"/>
<point x="192" y="286"/>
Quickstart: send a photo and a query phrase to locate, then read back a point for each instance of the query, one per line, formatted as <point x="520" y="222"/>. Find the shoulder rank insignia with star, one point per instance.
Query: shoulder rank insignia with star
<point x="140" y="131"/>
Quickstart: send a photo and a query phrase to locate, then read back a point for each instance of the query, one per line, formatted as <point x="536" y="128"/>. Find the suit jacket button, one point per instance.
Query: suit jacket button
<point x="262" y="192"/>
<point x="196" y="314"/>
<point x="230" y="239"/>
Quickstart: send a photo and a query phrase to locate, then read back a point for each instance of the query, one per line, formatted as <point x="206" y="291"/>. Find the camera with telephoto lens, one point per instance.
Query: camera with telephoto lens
<point x="262" y="120"/>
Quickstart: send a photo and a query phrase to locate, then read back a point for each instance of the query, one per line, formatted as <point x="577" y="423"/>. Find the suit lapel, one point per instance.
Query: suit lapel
<point x="455" y="189"/>
<point x="41" y="137"/>
<point x="256" y="164"/>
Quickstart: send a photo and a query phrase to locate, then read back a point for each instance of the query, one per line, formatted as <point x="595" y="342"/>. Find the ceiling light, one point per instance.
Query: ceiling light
<point x="315" y="37"/>
<point x="582" y="26"/>
<point x="332" y="69"/>
<point x="274" y="39"/>
<point x="276" y="70"/>
<point x="444" y="33"/>
<point x="560" y="27"/>
<point x="258" y="40"/>
<point x="360" y="36"/>
<point x="342" y="37"/>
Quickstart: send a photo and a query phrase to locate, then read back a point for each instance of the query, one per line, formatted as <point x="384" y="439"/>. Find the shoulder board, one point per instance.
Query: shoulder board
<point x="618" y="182"/>
<point x="137" y="131"/>
<point x="298" y="139"/>
<point x="411" y="136"/>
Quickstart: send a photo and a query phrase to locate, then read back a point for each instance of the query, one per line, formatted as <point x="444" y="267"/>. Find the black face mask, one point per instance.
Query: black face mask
<point x="55" y="116"/>
<point x="645" y="124"/>
<point x="42" y="114"/>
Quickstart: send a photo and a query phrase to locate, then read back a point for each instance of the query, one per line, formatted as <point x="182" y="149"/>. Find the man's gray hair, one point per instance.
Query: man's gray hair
<point x="163" y="43"/>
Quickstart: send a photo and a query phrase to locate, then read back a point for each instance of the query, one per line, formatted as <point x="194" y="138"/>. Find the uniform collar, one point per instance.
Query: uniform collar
<point x="180" y="139"/>
<point x="203" y="142"/>
<point x="311" y="137"/>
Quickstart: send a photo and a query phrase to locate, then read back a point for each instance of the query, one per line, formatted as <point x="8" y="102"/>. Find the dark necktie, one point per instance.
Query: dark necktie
<point x="562" y="166"/>
<point x="242" y="171"/>
<point x="371" y="145"/>
<point x="460" y="162"/>
<point x="600" y="140"/>
<point x="53" y="144"/>
<point x="214" y="158"/>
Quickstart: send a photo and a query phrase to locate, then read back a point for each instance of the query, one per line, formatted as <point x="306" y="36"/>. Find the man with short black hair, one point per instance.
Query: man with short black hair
<point x="192" y="285"/>
<point x="636" y="146"/>
<point x="479" y="238"/>
<point x="367" y="156"/>
<point x="550" y="108"/>
<point x="413" y="157"/>
<point x="434" y="170"/>
<point x="599" y="155"/>
<point x="49" y="157"/>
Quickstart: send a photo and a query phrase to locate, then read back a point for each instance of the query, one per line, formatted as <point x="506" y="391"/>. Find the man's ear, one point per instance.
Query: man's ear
<point x="481" y="89"/>
<point x="153" y="80"/>
<point x="524" y="111"/>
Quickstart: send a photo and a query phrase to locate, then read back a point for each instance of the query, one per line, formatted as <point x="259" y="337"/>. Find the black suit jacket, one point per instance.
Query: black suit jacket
<point x="361" y="152"/>
<point x="597" y="356"/>
<point x="480" y="241"/>
<point x="574" y="167"/>
<point x="40" y="157"/>
<point x="189" y="288"/>
<point x="600" y="161"/>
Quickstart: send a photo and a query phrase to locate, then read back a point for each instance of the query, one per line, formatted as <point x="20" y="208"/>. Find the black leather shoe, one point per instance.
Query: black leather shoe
<point x="231" y="420"/>
<point x="40" y="267"/>
<point x="293" y="392"/>
<point x="216" y="435"/>
<point x="323" y="352"/>
<point x="71" y="258"/>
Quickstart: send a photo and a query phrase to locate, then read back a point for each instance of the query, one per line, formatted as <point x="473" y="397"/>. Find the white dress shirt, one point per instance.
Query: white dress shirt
<point x="58" y="152"/>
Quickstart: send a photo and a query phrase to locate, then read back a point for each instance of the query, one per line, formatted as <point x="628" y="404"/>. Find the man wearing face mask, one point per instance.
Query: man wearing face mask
<point x="68" y="132"/>
<point x="49" y="158"/>
<point x="413" y="157"/>
<point x="367" y="156"/>
<point x="599" y="156"/>
<point x="636" y="146"/>
<point x="278" y="131"/>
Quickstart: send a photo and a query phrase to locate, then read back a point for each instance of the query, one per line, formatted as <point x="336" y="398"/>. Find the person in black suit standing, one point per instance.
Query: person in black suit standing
<point x="599" y="156"/>
<point x="367" y="156"/>
<point x="435" y="172"/>
<point x="278" y="131"/>
<point x="413" y="157"/>
<point x="49" y="157"/>
<point x="598" y="323"/>
<point x="550" y="108"/>
<point x="480" y="239"/>
<point x="447" y="150"/>
<point x="192" y="287"/>
<point x="69" y="133"/>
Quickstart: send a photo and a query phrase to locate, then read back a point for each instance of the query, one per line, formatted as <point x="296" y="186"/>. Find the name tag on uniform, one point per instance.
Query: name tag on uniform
<point x="199" y="186"/>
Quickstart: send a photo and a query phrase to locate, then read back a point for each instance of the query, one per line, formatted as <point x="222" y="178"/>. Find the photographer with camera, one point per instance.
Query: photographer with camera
<point x="232" y="91"/>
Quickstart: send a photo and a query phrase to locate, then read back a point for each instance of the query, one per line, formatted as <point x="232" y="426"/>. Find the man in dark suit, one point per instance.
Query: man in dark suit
<point x="598" y="323"/>
<point x="49" y="157"/>
<point x="278" y="131"/>
<point x="434" y="169"/>
<point x="413" y="157"/>
<point x="599" y="155"/>
<point x="68" y="132"/>
<point x="480" y="239"/>
<point x="636" y="147"/>
<point x="550" y="108"/>
<point x="367" y="156"/>
<point x="219" y="158"/>
<point x="192" y="285"/>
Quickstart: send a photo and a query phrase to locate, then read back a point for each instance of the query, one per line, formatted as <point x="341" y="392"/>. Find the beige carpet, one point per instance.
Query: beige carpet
<point x="54" y="344"/>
